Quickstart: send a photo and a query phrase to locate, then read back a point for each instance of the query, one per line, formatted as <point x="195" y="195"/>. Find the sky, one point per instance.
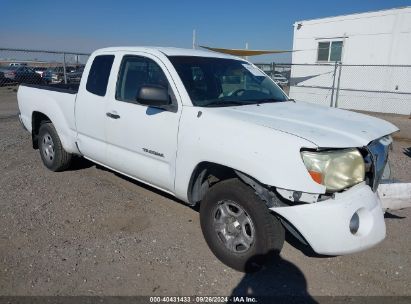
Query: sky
<point x="86" y="25"/>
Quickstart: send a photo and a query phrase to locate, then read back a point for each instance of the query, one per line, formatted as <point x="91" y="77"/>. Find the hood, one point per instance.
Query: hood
<point x="325" y="127"/>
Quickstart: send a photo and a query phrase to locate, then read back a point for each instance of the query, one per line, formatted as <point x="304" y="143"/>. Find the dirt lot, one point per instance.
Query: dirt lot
<point x="89" y="231"/>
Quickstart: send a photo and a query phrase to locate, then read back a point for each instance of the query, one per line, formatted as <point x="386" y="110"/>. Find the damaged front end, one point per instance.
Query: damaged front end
<point x="349" y="216"/>
<point x="340" y="169"/>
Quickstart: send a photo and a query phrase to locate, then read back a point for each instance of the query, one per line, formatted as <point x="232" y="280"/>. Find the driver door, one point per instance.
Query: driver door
<point x="142" y="140"/>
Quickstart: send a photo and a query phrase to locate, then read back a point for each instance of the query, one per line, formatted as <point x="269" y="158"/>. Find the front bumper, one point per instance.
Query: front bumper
<point x="325" y="225"/>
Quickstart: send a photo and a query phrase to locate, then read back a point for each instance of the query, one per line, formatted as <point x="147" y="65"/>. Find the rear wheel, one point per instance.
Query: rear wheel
<point x="52" y="153"/>
<point x="238" y="227"/>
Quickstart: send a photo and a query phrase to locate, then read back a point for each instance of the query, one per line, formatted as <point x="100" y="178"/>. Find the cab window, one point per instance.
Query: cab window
<point x="136" y="71"/>
<point x="99" y="74"/>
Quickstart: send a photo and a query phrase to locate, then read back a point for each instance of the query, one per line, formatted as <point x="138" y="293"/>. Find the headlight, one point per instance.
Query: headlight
<point x="335" y="169"/>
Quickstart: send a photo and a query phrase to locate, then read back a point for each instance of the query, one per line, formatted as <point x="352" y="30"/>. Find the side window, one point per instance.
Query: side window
<point x="135" y="72"/>
<point x="336" y="50"/>
<point x="99" y="73"/>
<point x="323" y="51"/>
<point x="329" y="51"/>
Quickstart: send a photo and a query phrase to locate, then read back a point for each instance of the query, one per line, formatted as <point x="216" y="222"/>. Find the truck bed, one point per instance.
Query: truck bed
<point x="56" y="102"/>
<point x="70" y="88"/>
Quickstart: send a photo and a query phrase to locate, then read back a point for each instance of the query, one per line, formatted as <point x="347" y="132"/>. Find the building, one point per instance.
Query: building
<point x="374" y="49"/>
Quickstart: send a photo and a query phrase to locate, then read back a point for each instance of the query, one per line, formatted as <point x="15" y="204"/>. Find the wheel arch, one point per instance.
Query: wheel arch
<point x="204" y="175"/>
<point x="66" y="135"/>
<point x="37" y="119"/>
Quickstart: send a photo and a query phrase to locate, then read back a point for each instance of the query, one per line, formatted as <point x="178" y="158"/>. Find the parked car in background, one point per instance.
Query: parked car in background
<point x="75" y="76"/>
<point x="40" y="70"/>
<point x="18" y="64"/>
<point x="21" y="74"/>
<point x="48" y="75"/>
<point x="280" y="79"/>
<point x="56" y="74"/>
<point x="3" y="79"/>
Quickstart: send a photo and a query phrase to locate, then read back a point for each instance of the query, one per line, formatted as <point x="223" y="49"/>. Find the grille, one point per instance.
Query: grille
<point x="378" y="157"/>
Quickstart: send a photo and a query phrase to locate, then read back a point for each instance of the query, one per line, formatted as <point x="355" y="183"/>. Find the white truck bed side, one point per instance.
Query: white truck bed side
<point x="59" y="107"/>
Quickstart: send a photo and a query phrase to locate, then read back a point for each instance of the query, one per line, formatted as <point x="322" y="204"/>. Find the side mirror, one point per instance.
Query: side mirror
<point x="153" y="96"/>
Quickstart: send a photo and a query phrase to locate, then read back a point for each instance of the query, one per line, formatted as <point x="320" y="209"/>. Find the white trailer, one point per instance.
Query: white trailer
<point x="373" y="49"/>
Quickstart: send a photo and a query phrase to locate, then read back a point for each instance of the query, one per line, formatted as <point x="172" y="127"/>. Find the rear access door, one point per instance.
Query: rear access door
<point x="91" y="108"/>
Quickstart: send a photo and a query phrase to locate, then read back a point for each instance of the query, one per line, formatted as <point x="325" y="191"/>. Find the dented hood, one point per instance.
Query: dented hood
<point x="325" y="127"/>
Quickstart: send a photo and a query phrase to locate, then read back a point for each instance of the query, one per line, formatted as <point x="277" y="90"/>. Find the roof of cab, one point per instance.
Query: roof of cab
<point x="168" y="51"/>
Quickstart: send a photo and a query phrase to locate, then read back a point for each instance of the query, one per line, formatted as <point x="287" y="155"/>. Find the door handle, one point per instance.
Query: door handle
<point x="112" y="115"/>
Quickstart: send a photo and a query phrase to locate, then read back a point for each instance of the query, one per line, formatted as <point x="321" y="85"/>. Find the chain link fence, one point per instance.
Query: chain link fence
<point x="373" y="88"/>
<point x="39" y="66"/>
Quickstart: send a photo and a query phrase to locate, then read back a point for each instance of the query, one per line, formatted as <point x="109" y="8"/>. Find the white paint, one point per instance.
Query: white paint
<point x="373" y="38"/>
<point x="139" y="129"/>
<point x="262" y="141"/>
<point x="91" y="120"/>
<point x="325" y="225"/>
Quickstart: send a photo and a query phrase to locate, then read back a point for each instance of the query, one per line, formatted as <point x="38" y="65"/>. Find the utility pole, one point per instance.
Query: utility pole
<point x="194" y="39"/>
<point x="332" y="90"/>
<point x="246" y="47"/>
<point x="64" y="68"/>
<point x="338" y="85"/>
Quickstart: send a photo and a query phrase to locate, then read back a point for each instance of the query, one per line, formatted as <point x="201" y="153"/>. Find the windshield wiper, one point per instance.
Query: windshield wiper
<point x="266" y="100"/>
<point x="228" y="103"/>
<point x="225" y="103"/>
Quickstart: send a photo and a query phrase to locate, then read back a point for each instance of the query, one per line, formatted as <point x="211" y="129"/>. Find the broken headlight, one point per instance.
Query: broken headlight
<point x="335" y="169"/>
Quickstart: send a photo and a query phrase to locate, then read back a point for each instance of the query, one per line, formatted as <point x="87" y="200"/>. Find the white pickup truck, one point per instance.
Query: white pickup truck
<point x="214" y="130"/>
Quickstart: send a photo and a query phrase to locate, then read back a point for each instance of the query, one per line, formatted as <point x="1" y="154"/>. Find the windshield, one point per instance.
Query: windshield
<point x="225" y="82"/>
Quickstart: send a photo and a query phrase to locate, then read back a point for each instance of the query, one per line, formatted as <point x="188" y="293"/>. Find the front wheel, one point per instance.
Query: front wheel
<point x="238" y="227"/>
<point x="52" y="153"/>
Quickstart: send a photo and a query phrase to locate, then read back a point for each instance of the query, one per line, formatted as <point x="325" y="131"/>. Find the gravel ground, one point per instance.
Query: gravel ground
<point x="89" y="231"/>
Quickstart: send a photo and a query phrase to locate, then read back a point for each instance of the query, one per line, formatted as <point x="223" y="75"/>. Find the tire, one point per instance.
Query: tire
<point x="52" y="153"/>
<point x="245" y="238"/>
